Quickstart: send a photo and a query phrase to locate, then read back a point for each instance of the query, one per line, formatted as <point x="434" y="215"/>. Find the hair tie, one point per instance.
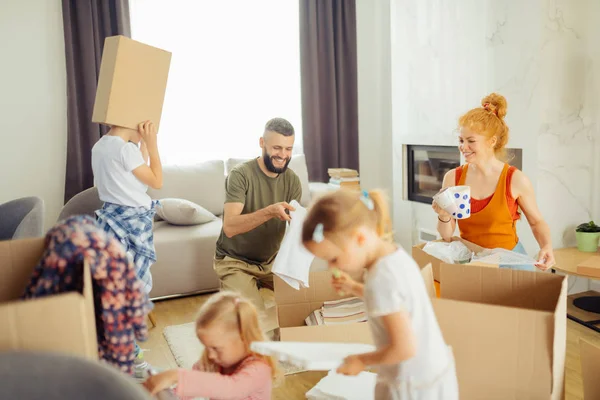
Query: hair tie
<point x="318" y="234"/>
<point x="367" y="200"/>
<point x="487" y="107"/>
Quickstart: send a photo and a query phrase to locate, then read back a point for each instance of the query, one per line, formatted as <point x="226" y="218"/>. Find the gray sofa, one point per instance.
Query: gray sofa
<point x="185" y="253"/>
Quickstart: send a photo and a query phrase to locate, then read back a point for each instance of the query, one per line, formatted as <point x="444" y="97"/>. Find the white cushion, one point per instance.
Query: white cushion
<point x="298" y="165"/>
<point x="202" y="183"/>
<point x="183" y="212"/>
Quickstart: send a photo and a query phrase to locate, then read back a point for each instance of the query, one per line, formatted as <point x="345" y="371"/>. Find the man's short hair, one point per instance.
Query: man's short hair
<point x="280" y="125"/>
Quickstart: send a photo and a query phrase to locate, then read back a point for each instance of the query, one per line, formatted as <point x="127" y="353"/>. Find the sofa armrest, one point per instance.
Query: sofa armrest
<point x="318" y="189"/>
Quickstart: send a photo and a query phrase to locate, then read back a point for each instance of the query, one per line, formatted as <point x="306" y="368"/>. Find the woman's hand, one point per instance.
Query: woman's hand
<point x="352" y="365"/>
<point x="162" y="381"/>
<point x="442" y="214"/>
<point x="545" y="258"/>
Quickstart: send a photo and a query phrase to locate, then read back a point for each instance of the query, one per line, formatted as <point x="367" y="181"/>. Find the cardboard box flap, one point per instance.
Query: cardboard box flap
<point x="18" y="258"/>
<point x="590" y="365"/>
<point x="319" y="290"/>
<point x="498" y="286"/>
<point x="427" y="274"/>
<point x="498" y="351"/>
<point x="559" y="349"/>
<point x="422" y="258"/>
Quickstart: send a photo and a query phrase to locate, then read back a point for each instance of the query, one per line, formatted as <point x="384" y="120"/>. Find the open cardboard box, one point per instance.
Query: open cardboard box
<point x="61" y="323"/>
<point x="293" y="306"/>
<point x="507" y="329"/>
<point x="422" y="258"/>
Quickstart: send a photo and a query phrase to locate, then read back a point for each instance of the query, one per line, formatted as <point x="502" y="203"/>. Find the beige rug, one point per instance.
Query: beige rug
<point x="187" y="349"/>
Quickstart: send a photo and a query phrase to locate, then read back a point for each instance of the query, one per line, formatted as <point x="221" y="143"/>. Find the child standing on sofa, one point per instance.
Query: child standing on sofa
<point x="350" y="230"/>
<point x="226" y="325"/>
<point x="122" y="176"/>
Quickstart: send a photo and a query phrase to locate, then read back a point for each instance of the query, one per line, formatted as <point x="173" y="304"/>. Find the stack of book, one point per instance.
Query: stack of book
<point x="344" y="178"/>
<point x="336" y="312"/>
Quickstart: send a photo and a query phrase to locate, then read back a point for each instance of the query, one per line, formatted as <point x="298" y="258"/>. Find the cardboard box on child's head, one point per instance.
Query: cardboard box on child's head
<point x="507" y="330"/>
<point x="60" y="323"/>
<point x="131" y="84"/>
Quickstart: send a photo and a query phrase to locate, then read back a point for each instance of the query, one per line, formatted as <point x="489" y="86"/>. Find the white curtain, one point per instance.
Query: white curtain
<point x="235" y="65"/>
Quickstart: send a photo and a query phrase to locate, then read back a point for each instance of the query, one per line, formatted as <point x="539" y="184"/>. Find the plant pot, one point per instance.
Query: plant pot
<point x="587" y="241"/>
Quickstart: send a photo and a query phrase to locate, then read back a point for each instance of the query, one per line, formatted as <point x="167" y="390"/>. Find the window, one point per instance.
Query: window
<point x="235" y="65"/>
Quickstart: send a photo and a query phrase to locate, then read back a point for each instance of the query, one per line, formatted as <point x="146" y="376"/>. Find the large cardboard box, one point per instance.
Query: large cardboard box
<point x="62" y="323"/>
<point x="507" y="329"/>
<point x="293" y="306"/>
<point x="422" y="258"/>
<point x="131" y="84"/>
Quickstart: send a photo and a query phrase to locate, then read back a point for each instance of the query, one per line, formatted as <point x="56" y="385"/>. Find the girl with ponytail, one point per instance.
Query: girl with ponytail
<point x="351" y="231"/>
<point x="226" y="325"/>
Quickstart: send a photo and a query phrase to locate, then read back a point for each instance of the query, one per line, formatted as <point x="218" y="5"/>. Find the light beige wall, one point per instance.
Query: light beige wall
<point x="33" y="102"/>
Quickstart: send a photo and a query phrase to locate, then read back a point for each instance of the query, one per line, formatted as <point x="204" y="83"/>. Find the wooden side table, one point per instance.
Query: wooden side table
<point x="583" y="308"/>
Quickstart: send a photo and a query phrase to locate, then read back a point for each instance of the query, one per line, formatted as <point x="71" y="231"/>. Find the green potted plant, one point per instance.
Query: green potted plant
<point x="587" y="235"/>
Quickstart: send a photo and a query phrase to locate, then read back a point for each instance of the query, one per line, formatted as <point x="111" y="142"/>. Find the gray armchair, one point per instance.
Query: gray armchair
<point x="84" y="203"/>
<point x="28" y="375"/>
<point x="22" y="218"/>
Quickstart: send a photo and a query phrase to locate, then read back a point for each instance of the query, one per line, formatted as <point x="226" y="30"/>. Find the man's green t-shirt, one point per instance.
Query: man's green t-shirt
<point x="248" y="184"/>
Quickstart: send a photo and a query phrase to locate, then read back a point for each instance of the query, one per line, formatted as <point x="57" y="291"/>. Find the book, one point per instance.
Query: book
<point x="338" y="312"/>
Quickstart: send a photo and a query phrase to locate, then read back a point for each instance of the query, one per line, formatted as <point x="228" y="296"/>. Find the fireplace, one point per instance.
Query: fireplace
<point x="426" y="167"/>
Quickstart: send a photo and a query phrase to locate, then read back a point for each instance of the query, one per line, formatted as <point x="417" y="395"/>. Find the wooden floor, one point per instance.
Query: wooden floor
<point x="180" y="311"/>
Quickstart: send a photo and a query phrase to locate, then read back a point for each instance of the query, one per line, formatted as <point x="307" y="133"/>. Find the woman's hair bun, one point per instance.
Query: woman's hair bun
<point x="495" y="103"/>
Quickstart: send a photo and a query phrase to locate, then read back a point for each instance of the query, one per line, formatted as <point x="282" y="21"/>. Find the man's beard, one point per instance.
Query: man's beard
<point x="268" y="159"/>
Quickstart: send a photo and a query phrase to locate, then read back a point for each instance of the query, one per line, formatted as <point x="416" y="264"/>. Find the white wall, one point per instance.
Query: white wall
<point x="374" y="94"/>
<point x="33" y="103"/>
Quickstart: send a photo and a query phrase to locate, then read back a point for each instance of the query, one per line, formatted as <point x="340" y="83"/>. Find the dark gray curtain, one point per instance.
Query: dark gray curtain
<point x="329" y="85"/>
<point x="86" y="24"/>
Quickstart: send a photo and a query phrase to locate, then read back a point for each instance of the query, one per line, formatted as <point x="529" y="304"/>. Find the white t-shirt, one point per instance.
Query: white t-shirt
<point x="395" y="284"/>
<point x="113" y="159"/>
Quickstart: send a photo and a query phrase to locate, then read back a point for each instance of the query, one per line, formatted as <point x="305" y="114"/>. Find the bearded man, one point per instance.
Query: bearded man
<point x="258" y="193"/>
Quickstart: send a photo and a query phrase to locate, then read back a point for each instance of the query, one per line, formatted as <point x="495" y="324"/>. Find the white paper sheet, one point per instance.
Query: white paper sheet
<point x="311" y="356"/>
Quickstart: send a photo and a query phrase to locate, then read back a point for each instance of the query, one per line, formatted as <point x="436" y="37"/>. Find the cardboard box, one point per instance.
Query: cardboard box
<point x="131" y="84"/>
<point x="590" y="369"/>
<point x="590" y="267"/>
<point x="293" y="306"/>
<point x="507" y="329"/>
<point x="422" y="258"/>
<point x="62" y="323"/>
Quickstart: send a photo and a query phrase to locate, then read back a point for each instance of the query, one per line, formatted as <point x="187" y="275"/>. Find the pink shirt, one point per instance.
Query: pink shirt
<point x="250" y="381"/>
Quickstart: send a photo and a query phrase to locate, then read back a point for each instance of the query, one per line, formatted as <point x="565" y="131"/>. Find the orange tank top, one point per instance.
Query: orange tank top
<point x="493" y="224"/>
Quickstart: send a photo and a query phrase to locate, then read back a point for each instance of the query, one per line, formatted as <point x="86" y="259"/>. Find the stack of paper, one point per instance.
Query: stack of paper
<point x="341" y="387"/>
<point x="337" y="312"/>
